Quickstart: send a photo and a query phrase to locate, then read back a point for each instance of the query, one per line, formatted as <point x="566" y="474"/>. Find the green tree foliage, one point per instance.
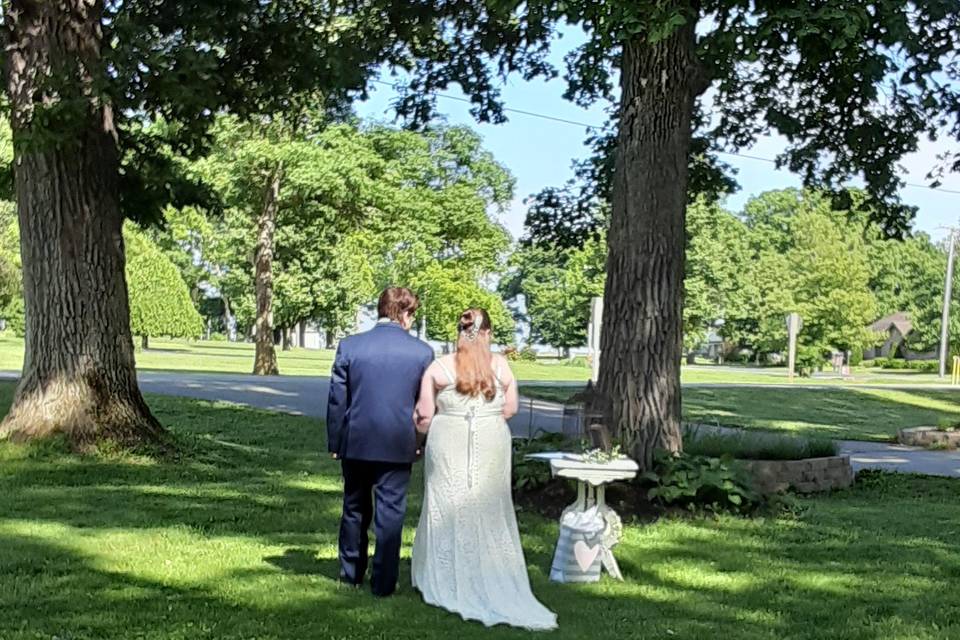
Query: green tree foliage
<point x="446" y="189"/>
<point x="808" y="258"/>
<point x="11" y="280"/>
<point x="360" y="208"/>
<point x="445" y="293"/>
<point x="716" y="264"/>
<point x="188" y="238"/>
<point x="11" y="277"/>
<point x="160" y="303"/>
<point x="557" y="286"/>
<point x="908" y="276"/>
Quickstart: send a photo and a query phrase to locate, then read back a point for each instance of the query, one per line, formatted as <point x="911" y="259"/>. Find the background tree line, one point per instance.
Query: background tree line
<point x="787" y="250"/>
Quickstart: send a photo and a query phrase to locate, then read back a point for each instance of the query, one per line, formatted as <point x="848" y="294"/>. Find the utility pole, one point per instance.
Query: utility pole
<point x="947" y="296"/>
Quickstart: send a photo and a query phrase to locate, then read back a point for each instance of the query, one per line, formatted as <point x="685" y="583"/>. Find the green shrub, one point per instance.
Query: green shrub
<point x="582" y="362"/>
<point x="14" y="317"/>
<point x="529" y="475"/>
<point x="856" y="356"/>
<point x="948" y="424"/>
<point x="700" y="482"/>
<point x="809" y="359"/>
<point x="755" y="446"/>
<point x="899" y="364"/>
<point x="511" y="353"/>
<point x="528" y="354"/>
<point x="218" y="337"/>
<point x="160" y="303"/>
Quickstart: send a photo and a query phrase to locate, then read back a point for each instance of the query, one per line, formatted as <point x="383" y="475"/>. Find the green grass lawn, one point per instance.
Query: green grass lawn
<point x="227" y="357"/>
<point x="196" y="356"/>
<point x="851" y="413"/>
<point x="237" y="540"/>
<point x="232" y="357"/>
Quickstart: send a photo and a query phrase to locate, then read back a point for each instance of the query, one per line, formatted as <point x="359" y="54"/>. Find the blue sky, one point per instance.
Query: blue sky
<point x="539" y="152"/>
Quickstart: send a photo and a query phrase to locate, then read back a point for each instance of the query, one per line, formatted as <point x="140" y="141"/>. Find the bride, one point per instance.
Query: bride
<point x="467" y="556"/>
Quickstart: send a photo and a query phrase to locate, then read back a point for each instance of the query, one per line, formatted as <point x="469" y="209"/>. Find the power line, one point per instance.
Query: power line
<point x="593" y="127"/>
<point x="532" y="114"/>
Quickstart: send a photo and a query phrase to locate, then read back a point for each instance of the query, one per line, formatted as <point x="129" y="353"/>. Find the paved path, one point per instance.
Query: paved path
<point x="304" y="395"/>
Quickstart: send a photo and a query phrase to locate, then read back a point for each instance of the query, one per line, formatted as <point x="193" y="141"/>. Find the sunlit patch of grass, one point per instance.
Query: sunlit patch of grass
<point x="851" y="413"/>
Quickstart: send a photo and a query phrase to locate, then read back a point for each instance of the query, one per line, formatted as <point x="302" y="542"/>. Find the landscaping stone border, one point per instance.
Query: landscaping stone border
<point x="929" y="437"/>
<point x="804" y="476"/>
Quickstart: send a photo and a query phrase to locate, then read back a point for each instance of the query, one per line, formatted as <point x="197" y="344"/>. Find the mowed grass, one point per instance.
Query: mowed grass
<point x="237" y="540"/>
<point x="840" y="413"/>
<point x="233" y="357"/>
<point x="848" y="413"/>
<point x="197" y="356"/>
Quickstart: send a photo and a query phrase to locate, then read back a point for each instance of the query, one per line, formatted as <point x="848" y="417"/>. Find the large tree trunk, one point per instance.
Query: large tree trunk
<point x="78" y="375"/>
<point x="302" y="334"/>
<point x="265" y="363"/>
<point x="642" y="312"/>
<point x="285" y="338"/>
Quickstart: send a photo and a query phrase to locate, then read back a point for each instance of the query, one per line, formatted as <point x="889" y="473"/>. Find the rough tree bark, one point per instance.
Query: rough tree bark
<point x="78" y="375"/>
<point x="642" y="312"/>
<point x="265" y="362"/>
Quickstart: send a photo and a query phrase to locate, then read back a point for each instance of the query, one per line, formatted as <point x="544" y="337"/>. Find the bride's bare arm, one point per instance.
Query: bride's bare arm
<point x="427" y="403"/>
<point x="511" y="395"/>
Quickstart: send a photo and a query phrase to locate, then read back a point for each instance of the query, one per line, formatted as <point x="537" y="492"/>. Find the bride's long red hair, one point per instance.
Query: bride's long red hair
<point x="473" y="359"/>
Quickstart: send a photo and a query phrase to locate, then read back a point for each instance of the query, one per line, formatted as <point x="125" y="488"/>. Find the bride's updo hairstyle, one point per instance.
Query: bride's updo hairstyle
<point x="473" y="359"/>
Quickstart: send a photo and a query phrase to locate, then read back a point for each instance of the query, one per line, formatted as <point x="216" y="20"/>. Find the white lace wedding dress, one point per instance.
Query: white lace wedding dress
<point x="467" y="556"/>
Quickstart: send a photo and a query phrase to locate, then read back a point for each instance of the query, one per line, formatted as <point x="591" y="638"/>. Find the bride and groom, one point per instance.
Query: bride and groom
<point x="386" y="394"/>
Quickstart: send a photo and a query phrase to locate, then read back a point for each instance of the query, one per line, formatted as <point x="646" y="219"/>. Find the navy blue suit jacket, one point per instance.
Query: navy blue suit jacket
<point x="374" y="387"/>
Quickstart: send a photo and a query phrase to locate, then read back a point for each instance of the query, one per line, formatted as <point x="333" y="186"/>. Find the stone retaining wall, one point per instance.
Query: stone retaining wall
<point x="929" y="437"/>
<point x="805" y="476"/>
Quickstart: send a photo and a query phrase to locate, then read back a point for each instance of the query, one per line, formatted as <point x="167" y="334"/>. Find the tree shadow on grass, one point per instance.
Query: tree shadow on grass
<point x="305" y="562"/>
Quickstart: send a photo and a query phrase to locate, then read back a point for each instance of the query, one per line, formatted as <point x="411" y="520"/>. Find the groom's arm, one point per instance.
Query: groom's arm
<point x="337" y="402"/>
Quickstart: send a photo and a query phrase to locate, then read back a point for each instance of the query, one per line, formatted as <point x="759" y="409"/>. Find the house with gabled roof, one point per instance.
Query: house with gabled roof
<point x="894" y="330"/>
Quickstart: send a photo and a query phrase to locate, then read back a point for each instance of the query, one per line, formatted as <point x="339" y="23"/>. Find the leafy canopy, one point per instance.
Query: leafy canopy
<point x="360" y="208"/>
<point x="853" y="87"/>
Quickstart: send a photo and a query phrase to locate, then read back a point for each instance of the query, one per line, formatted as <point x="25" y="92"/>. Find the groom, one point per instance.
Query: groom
<point x="370" y="428"/>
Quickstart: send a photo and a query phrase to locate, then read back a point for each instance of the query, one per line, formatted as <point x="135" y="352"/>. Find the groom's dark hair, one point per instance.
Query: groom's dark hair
<point x="396" y="301"/>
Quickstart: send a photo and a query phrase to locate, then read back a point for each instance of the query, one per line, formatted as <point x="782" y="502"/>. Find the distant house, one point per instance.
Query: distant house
<point x="894" y="329"/>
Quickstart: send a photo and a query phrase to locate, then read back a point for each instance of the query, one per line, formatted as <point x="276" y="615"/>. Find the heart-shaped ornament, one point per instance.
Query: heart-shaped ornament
<point x="585" y="554"/>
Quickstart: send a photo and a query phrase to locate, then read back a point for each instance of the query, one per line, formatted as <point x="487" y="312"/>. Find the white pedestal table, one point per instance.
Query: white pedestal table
<point x="592" y="478"/>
